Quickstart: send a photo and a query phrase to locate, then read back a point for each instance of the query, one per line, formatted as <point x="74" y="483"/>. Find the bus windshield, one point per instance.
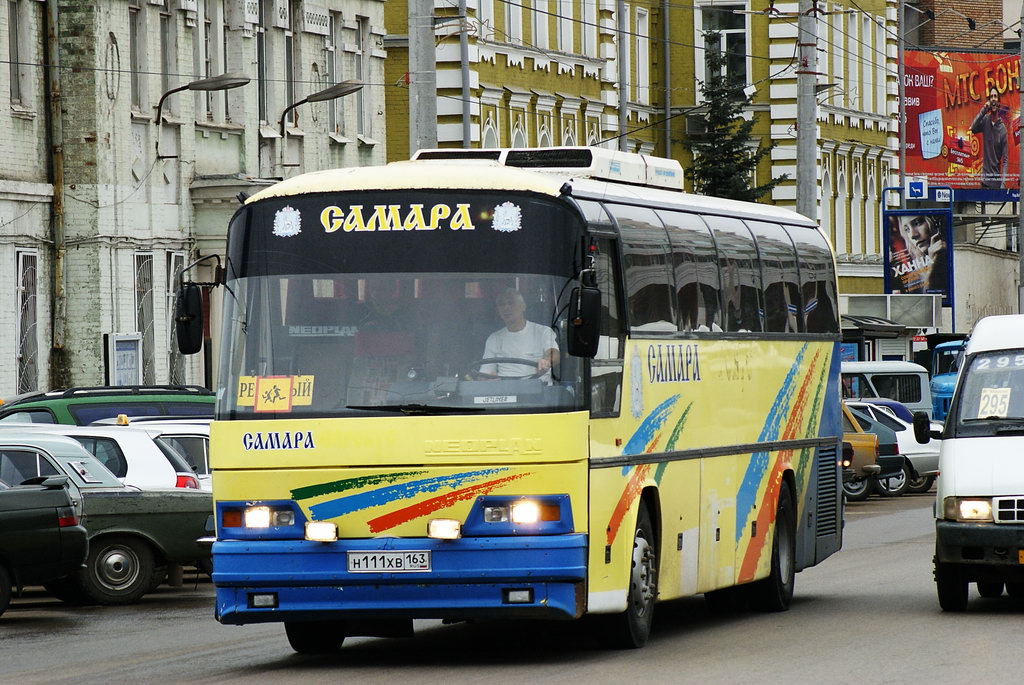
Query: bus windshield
<point x="412" y="317"/>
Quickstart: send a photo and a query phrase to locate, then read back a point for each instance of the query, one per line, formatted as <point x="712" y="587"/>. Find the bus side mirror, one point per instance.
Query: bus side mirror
<point x="584" y="321"/>
<point x="922" y="427"/>
<point x="188" y="318"/>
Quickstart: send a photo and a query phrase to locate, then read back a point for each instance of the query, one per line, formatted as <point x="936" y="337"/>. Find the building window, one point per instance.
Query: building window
<point x="333" y="49"/>
<point x="14" y="49"/>
<point x="136" y="31"/>
<point x="486" y="18"/>
<point x="540" y="19"/>
<point x="28" y="334"/>
<point x="225" y="32"/>
<point x="565" y="24"/>
<point x="643" y="56"/>
<point x="513" y="22"/>
<point x="262" y="60"/>
<point x="175" y="360"/>
<point x="731" y="39"/>
<point x="167" y="62"/>
<point x="589" y="28"/>
<point x="361" y="68"/>
<point x="289" y="77"/>
<point x="144" y="312"/>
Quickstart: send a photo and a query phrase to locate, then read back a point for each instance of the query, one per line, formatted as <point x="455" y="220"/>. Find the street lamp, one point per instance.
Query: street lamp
<point x="222" y="82"/>
<point x="330" y="93"/>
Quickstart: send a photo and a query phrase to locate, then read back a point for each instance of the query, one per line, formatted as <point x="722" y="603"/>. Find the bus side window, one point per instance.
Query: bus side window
<point x="695" y="266"/>
<point x="817" y="280"/>
<point x="781" y="278"/>
<point x="646" y="264"/>
<point x="741" y="274"/>
<point x="606" y="367"/>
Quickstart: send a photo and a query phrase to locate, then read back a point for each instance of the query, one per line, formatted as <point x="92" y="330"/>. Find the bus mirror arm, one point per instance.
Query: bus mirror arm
<point x="584" y="321"/>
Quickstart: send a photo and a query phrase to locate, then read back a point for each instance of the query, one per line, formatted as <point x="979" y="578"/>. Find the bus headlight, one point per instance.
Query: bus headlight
<point x="968" y="509"/>
<point x="525" y="511"/>
<point x="321" y="531"/>
<point x="256" y="517"/>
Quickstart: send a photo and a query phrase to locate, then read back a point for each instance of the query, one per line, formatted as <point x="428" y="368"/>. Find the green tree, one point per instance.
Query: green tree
<point x="725" y="156"/>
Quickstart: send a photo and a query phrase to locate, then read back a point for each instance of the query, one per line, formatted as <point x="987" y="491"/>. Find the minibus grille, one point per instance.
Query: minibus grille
<point x="827" y="519"/>
<point x="1008" y="509"/>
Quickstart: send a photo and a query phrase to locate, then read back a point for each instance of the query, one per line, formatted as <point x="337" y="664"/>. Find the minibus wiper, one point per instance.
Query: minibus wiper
<point x="413" y="408"/>
<point x="993" y="418"/>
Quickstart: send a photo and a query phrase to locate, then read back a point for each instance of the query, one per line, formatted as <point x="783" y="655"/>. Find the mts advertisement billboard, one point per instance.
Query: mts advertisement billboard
<point x="963" y="122"/>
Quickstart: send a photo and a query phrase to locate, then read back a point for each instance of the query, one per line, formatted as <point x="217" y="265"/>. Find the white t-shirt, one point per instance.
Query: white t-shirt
<point x="532" y="342"/>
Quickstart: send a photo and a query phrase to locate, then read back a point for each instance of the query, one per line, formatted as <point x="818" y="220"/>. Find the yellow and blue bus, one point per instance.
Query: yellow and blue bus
<point x="384" y="450"/>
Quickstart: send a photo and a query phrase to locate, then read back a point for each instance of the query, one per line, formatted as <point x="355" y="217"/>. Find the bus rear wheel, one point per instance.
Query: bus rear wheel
<point x="632" y="628"/>
<point x="775" y="592"/>
<point x="315" y="637"/>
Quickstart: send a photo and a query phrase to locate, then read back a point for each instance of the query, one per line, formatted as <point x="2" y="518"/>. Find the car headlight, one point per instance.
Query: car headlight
<point x="968" y="509"/>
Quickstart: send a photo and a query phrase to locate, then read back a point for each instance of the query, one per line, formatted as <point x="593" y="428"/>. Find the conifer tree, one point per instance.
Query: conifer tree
<point x="725" y="156"/>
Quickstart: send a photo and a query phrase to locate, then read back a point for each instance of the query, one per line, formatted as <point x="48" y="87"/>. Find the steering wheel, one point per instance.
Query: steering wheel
<point x="509" y="360"/>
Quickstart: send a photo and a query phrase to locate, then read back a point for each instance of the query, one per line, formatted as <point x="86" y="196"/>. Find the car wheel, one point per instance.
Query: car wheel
<point x="990" y="589"/>
<point x="5" y="589"/>
<point x="858" y="490"/>
<point x="893" y="486"/>
<point x="921" y="484"/>
<point x="632" y="628"/>
<point x="66" y="590"/>
<point x="775" y="592"/>
<point x="315" y="637"/>
<point x="951" y="587"/>
<point x="119" y="570"/>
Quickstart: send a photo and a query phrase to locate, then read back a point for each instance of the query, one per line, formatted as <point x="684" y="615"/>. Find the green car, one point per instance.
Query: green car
<point x="134" y="535"/>
<point x="82" y="406"/>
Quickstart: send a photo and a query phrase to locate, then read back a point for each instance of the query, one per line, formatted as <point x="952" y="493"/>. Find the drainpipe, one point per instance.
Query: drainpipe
<point x="56" y="175"/>
<point x="667" y="59"/>
<point x="464" y="67"/>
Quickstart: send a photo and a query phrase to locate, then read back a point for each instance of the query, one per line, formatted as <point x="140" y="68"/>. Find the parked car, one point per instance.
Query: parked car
<point x="189" y="436"/>
<point x="82" y="406"/>
<point x="41" y="534"/>
<point x="924" y="459"/>
<point x="134" y="455"/>
<point x="904" y="382"/>
<point x="134" y="535"/>
<point x="894" y="473"/>
<point x="860" y="454"/>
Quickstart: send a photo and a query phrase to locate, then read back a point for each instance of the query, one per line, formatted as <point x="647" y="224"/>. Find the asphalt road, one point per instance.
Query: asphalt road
<point x="866" y="615"/>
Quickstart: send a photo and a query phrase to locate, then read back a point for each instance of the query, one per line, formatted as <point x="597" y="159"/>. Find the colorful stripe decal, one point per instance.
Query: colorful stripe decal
<point x="758" y="466"/>
<point x="640" y="441"/>
<point x="400" y="516"/>
<point x="766" y="513"/>
<point x="386" y="495"/>
<point x="350" y="484"/>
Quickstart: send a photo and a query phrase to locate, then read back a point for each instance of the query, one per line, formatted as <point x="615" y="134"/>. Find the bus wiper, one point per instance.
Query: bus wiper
<point x="413" y="408"/>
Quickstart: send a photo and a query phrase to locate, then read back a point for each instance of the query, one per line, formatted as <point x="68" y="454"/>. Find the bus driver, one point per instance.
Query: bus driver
<point x="519" y="339"/>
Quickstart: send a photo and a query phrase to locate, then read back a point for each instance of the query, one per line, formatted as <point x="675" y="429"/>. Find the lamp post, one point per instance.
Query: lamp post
<point x="330" y="93"/>
<point x="222" y="82"/>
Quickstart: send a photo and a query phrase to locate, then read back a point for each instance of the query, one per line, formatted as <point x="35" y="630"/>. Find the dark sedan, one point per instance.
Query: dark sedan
<point x="41" y="537"/>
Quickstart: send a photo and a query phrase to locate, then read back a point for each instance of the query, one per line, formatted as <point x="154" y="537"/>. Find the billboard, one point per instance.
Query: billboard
<point x="963" y="122"/>
<point x="918" y="258"/>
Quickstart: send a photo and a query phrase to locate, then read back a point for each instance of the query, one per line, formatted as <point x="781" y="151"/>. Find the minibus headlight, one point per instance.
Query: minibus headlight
<point x="968" y="509"/>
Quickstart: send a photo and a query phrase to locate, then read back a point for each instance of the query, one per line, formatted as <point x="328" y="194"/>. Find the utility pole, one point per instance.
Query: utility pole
<point x="422" y="77"/>
<point x="901" y="92"/>
<point x="807" y="112"/>
<point x="622" y="24"/>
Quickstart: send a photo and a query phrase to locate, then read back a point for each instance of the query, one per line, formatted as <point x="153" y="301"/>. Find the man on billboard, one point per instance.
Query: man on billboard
<point x="991" y="123"/>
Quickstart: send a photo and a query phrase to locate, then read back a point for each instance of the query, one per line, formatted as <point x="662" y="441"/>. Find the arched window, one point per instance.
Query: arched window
<point x="519" y="138"/>
<point x="490" y="135"/>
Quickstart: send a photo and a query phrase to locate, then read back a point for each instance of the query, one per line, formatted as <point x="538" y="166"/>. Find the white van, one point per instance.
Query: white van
<point x="904" y="382"/>
<point x="979" y="509"/>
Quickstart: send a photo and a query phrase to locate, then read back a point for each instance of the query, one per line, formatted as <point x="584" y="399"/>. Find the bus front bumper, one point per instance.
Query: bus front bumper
<point x="261" y="581"/>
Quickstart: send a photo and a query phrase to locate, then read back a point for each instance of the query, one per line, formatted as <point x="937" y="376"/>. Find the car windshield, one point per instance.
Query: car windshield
<point x="990" y="400"/>
<point x="374" y="320"/>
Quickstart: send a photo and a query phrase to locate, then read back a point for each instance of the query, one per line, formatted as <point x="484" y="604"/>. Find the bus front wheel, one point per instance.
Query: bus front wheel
<point x="315" y="637"/>
<point x="632" y="627"/>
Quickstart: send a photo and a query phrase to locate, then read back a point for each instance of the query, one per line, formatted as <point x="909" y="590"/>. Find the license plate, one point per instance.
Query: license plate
<point x="411" y="561"/>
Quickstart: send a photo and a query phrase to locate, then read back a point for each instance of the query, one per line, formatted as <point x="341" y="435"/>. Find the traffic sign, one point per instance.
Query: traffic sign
<point x="917" y="188"/>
